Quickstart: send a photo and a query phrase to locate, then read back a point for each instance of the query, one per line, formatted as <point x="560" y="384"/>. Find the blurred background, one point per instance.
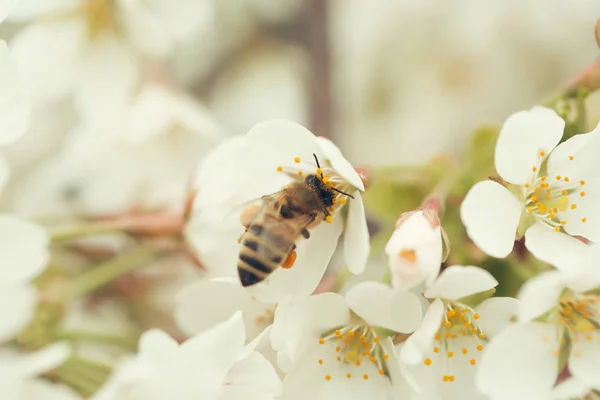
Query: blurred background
<point x="120" y="120"/>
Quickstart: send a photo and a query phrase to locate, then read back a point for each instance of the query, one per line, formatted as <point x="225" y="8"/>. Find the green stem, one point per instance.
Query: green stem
<point x="105" y="273"/>
<point x="89" y="229"/>
<point x="128" y="342"/>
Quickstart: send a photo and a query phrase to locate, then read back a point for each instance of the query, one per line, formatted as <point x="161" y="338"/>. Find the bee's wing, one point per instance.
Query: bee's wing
<point x="254" y="204"/>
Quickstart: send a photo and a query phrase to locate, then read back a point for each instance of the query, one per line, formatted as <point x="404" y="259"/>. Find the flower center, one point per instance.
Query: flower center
<point x="266" y="318"/>
<point x="459" y="335"/>
<point x="358" y="347"/>
<point x="408" y="254"/>
<point x="579" y="318"/>
<point x="550" y="199"/>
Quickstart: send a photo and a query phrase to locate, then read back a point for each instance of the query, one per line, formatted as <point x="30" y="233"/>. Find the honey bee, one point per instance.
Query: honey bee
<point x="271" y="233"/>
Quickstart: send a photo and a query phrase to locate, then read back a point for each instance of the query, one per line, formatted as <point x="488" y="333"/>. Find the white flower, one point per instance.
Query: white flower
<point x="196" y="309"/>
<point x="5" y="7"/>
<point x="157" y="139"/>
<point x="23" y="256"/>
<point x="559" y="322"/>
<point x="341" y="346"/>
<point x="572" y="388"/>
<point x="416" y="249"/>
<point x="212" y="365"/>
<point x="18" y="374"/>
<point x="444" y="351"/>
<point x="552" y="190"/>
<point x="86" y="45"/>
<point x="272" y="155"/>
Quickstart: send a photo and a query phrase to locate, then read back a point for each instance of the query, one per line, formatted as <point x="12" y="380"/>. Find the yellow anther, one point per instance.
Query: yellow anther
<point x="573" y="206"/>
<point x="436" y="350"/>
<point x="582" y="182"/>
<point x="372" y="359"/>
<point x="327" y="377"/>
<point x="534" y="169"/>
<point x="464" y="310"/>
<point x="557" y="228"/>
<point x="321" y="362"/>
<point x="450" y="354"/>
<point x="464" y="350"/>
<point x="530" y="209"/>
<point x="365" y="377"/>
<point x="482" y="336"/>
<point x="548" y="197"/>
<point x="338" y="332"/>
<point x="447" y="323"/>
<point x="564" y="192"/>
<point x="427" y="361"/>
<point x="445" y="378"/>
<point x="376" y="339"/>
<point x="479" y="347"/>
<point x="475" y="316"/>
<point x="558" y="177"/>
<point x="582" y="193"/>
<point x="351" y="334"/>
<point x="296" y="159"/>
<point x="299" y="173"/>
<point x="381" y="372"/>
<point x="338" y="348"/>
<point x="542" y="154"/>
<point x="280" y="168"/>
<point x="334" y="200"/>
<point x="563" y="222"/>
<point x="473" y="362"/>
<point x="451" y="377"/>
<point x="319" y="171"/>
<point x="566" y="179"/>
<point x="543" y="178"/>
<point x="467" y="324"/>
<point x="321" y="341"/>
<point x="385" y="357"/>
<point x="343" y="200"/>
<point x="348" y="375"/>
<point x="527" y="185"/>
<point x="331" y="209"/>
<point x="329" y="218"/>
<point x="473" y="331"/>
<point x="358" y="363"/>
<point x="339" y="358"/>
<point x="325" y="179"/>
<point x="571" y="158"/>
<point x="584" y="220"/>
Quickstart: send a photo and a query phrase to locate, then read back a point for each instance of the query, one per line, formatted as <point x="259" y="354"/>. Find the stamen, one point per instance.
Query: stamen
<point x="427" y="361"/>
<point x="296" y="160"/>
<point x="280" y="168"/>
<point x="329" y="218"/>
<point x="327" y="377"/>
<point x="571" y="158"/>
<point x="584" y="220"/>
<point x="582" y="193"/>
<point x="473" y="362"/>
<point x="542" y="154"/>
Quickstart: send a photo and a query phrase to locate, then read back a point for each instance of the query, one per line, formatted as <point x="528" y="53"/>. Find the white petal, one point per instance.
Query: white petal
<point x="47" y="58"/>
<point x="339" y="163"/>
<point x="300" y="323"/>
<point x="144" y="29"/>
<point x="584" y="361"/>
<point x="33" y="9"/>
<point x="212" y="353"/>
<point x="420" y="342"/>
<point x="4" y="173"/>
<point x="40" y="361"/>
<point x="278" y="142"/>
<point x="519" y="362"/>
<point x="379" y="305"/>
<point x="403" y="385"/>
<point x="556" y="248"/>
<point x="157" y="346"/>
<point x="307" y="379"/>
<point x="496" y="313"/>
<point x="197" y="310"/>
<point x="539" y="294"/>
<point x="106" y="78"/>
<point x="570" y="389"/>
<point x="491" y="215"/>
<point x="18" y="302"/>
<point x="14" y="110"/>
<point x="356" y="236"/>
<point x="523" y="135"/>
<point x="457" y="281"/>
<point x="254" y="378"/>
<point x="585" y="164"/>
<point x="184" y="17"/>
<point x="23" y="249"/>
<point x="302" y="279"/>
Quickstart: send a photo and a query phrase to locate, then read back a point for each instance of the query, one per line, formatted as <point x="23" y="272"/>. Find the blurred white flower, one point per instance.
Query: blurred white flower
<point x="559" y="319"/>
<point x="261" y="163"/>
<point x="18" y="374"/>
<point x="444" y="351"/>
<point x="24" y="252"/>
<point x="552" y="190"/>
<point x="87" y="175"/>
<point x="194" y="315"/>
<point x="342" y="346"/>
<point x="212" y="365"/>
<point x="416" y="249"/>
<point x="573" y="389"/>
<point x="93" y="46"/>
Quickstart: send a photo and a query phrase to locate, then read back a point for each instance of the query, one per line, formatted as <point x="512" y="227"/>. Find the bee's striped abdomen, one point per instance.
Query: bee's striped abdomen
<point x="262" y="252"/>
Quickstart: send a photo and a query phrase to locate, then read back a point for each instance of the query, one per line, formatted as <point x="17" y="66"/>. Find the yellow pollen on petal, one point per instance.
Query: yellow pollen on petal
<point x="408" y="254"/>
<point x="339" y="358"/>
<point x="296" y="159"/>
<point x="373" y="359"/>
<point x="473" y="362"/>
<point x="280" y="168"/>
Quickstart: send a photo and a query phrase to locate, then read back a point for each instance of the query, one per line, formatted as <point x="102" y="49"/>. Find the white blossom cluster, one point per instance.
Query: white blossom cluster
<point x="142" y="300"/>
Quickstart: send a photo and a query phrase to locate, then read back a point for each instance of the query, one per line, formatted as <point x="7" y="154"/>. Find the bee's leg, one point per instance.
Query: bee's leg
<point x="305" y="233"/>
<point x="242" y="236"/>
<point x="290" y="260"/>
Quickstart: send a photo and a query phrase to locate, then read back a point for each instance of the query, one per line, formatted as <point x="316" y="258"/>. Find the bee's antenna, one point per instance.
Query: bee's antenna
<point x="344" y="193"/>
<point x="318" y="165"/>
